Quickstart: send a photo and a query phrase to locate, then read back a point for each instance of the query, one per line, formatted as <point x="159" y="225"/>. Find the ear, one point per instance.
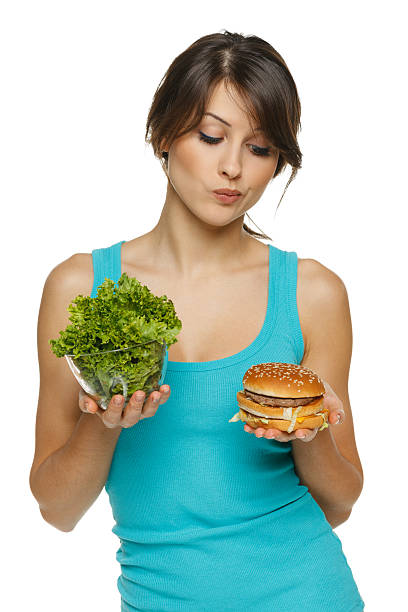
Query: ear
<point x="163" y="146"/>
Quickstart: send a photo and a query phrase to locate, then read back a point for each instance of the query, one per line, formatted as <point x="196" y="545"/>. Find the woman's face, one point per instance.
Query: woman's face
<point x="239" y="159"/>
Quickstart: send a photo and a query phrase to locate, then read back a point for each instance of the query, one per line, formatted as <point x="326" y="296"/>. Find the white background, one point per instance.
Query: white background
<point x="77" y="79"/>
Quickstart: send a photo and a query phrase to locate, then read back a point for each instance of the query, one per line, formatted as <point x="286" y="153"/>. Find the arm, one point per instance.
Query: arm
<point x="68" y="482"/>
<point x="329" y="464"/>
<point x="333" y="481"/>
<point x="73" y="450"/>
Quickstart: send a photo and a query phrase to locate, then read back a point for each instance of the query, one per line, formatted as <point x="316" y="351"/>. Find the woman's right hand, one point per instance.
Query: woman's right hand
<point x="136" y="409"/>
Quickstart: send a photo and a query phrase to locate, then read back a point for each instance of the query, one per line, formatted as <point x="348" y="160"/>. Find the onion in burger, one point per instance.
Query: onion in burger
<point x="282" y="396"/>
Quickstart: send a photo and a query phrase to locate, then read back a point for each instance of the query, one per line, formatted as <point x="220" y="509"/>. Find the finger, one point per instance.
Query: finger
<point x="139" y="407"/>
<point x="301" y="434"/>
<point x="81" y="400"/>
<point x="305" y="435"/>
<point x="278" y="435"/>
<point x="259" y="432"/>
<point x="164" y="393"/>
<point x="267" y="433"/>
<point x="113" y="414"/>
<point x="281" y="436"/>
<point x="133" y="411"/>
<point x="86" y="403"/>
<point x="333" y="403"/>
<point x="336" y="417"/>
<point x="151" y="404"/>
<point x="272" y="434"/>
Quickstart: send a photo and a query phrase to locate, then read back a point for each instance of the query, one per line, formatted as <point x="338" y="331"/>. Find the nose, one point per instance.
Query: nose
<point x="230" y="162"/>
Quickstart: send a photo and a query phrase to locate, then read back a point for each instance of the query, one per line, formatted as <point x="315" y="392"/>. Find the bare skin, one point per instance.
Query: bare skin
<point x="137" y="408"/>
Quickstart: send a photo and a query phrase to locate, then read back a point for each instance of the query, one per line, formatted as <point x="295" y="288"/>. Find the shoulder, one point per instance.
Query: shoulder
<point x="72" y="275"/>
<point x="322" y="298"/>
<point x="67" y="280"/>
<point x="319" y="282"/>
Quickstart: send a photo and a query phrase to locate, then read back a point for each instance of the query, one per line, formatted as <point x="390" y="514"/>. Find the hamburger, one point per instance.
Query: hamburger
<point x="282" y="396"/>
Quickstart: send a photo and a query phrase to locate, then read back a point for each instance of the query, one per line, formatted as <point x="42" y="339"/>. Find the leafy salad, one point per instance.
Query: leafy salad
<point x="128" y="316"/>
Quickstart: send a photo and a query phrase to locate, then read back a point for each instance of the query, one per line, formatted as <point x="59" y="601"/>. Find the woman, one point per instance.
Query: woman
<point x="210" y="518"/>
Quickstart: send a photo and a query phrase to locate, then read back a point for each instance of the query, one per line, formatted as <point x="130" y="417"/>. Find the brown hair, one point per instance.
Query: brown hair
<point x="254" y="69"/>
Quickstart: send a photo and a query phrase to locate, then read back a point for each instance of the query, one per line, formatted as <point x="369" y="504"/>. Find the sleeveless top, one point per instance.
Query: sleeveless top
<point x="209" y="517"/>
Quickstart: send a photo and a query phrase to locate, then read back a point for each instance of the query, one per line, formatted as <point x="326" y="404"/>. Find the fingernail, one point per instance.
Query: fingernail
<point x="302" y="436"/>
<point x="166" y="389"/>
<point x="338" y="419"/>
<point x="87" y="404"/>
<point x="118" y="401"/>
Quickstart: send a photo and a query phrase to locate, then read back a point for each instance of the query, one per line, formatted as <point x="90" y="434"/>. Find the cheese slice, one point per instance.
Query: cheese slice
<point x="293" y="419"/>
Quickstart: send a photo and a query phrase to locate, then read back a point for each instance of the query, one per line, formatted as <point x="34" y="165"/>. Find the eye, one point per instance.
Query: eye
<point x="258" y="151"/>
<point x="209" y="139"/>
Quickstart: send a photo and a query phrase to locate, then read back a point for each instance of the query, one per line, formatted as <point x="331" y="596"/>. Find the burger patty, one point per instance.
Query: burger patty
<point x="279" y="401"/>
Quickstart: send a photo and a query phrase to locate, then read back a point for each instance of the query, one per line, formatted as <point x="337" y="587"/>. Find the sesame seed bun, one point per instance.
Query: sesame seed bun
<point x="282" y="380"/>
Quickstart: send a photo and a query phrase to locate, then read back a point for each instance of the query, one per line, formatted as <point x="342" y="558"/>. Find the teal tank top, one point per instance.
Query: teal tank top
<point x="209" y="517"/>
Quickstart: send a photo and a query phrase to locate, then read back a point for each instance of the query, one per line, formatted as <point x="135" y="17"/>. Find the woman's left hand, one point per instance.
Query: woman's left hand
<point x="336" y="416"/>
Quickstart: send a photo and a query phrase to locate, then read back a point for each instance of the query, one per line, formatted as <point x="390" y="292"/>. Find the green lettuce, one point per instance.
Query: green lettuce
<point x="120" y="316"/>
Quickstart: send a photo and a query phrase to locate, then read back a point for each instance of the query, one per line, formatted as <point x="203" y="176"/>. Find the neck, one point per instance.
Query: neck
<point x="192" y="249"/>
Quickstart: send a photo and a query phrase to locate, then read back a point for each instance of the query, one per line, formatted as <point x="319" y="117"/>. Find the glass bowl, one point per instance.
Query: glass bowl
<point x="105" y="373"/>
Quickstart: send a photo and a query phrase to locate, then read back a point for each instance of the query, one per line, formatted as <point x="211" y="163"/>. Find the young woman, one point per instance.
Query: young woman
<point x="209" y="516"/>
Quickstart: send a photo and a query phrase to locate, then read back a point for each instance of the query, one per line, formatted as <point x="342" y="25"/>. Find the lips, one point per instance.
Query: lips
<point x="226" y="198"/>
<point x="229" y="192"/>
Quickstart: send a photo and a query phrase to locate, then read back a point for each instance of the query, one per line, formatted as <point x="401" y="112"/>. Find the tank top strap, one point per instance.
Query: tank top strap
<point x="287" y="315"/>
<point x="106" y="264"/>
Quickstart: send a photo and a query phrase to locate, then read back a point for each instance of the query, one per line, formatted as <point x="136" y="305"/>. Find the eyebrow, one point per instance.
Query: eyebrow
<point x="258" y="129"/>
